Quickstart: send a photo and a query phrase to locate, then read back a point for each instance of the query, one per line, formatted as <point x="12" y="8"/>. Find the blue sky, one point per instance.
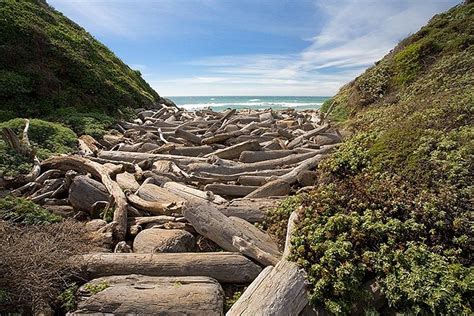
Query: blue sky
<point x="250" y="47"/>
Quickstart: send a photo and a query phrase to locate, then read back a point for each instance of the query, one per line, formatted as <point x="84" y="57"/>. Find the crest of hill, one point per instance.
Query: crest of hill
<point x="393" y="205"/>
<point x="49" y="63"/>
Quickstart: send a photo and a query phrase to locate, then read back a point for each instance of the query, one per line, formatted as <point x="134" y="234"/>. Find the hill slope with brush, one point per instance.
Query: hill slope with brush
<point x="393" y="206"/>
<point x="48" y="62"/>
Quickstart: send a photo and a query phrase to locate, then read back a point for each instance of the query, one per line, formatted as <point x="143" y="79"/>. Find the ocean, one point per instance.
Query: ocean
<point x="221" y="103"/>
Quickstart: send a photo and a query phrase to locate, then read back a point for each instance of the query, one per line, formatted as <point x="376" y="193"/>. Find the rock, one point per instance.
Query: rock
<point x="145" y="295"/>
<point x="95" y="224"/>
<point x="163" y="240"/>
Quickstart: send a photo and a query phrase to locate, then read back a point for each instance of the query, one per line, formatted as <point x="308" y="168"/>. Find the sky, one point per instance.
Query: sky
<point x="250" y="47"/>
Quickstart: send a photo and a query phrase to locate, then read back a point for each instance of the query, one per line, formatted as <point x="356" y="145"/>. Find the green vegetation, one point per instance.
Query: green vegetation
<point x="231" y="300"/>
<point x="394" y="203"/>
<point x="48" y="63"/>
<point x="94" y="288"/>
<point x="21" y="210"/>
<point x="68" y="298"/>
<point x="45" y="137"/>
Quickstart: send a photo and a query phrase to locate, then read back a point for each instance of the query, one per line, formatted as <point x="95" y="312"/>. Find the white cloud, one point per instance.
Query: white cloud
<point x="358" y="34"/>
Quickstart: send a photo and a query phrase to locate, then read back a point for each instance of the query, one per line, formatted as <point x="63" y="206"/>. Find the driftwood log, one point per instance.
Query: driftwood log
<point x="211" y="223"/>
<point x="223" y="266"/>
<point x="146" y="295"/>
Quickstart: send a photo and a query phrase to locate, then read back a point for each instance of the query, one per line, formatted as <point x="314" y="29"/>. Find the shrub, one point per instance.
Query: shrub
<point x="21" y="210"/>
<point x="407" y="63"/>
<point x="277" y="218"/>
<point x="45" y="137"/>
<point x="91" y="123"/>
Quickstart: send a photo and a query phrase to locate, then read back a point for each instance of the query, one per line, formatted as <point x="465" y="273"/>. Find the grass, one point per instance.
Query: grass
<point x="21" y="210"/>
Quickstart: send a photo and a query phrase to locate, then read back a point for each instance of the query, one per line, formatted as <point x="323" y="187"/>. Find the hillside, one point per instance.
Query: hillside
<point x="49" y="63"/>
<point x="393" y="205"/>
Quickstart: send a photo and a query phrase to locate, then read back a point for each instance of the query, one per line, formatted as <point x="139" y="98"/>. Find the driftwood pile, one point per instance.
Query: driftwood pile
<point x="206" y="175"/>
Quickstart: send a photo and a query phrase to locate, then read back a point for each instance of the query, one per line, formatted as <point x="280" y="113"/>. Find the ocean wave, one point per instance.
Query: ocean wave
<point x="253" y="100"/>
<point x="257" y="105"/>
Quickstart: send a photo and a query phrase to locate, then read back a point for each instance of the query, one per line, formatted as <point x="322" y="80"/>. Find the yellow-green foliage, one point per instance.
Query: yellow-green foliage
<point x="94" y="288"/>
<point x="394" y="203"/>
<point x="45" y="137"/>
<point x="20" y="210"/>
<point x="48" y="62"/>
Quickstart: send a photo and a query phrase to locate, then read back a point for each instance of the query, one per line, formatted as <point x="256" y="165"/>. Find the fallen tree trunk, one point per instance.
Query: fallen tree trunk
<point x="255" y="156"/>
<point x="98" y="171"/>
<point x="212" y="224"/>
<point x="230" y="189"/>
<point x="145" y="295"/>
<point x="235" y="151"/>
<point x="281" y="291"/>
<point x="135" y="157"/>
<point x="252" y="210"/>
<point x="225" y="267"/>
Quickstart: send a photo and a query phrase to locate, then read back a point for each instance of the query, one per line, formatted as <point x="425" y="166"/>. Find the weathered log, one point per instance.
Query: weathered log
<point x="145" y="295"/>
<point x="234" y="151"/>
<point x="195" y="151"/>
<point x="127" y="181"/>
<point x="218" y="138"/>
<point x="276" y="187"/>
<point x="223" y="266"/>
<point x="307" y="135"/>
<point x="280" y="291"/>
<point x="254" y="156"/>
<point x="154" y="193"/>
<point x="84" y="192"/>
<point x="265" y="242"/>
<point x="154" y="207"/>
<point x="253" y="180"/>
<point x="212" y="224"/>
<point x="252" y="210"/>
<point x="134" y="157"/>
<point x="188" y="136"/>
<point x="230" y="189"/>
<point x="261" y="165"/>
<point x="191" y="194"/>
<point x="120" y="201"/>
<point x="236" y="176"/>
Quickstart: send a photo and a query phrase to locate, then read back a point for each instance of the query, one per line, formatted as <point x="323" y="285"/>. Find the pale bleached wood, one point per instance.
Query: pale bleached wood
<point x="135" y="157"/>
<point x="208" y="221"/>
<point x="234" y="151"/>
<point x="83" y="164"/>
<point x="249" y="249"/>
<point x="230" y="189"/>
<point x="192" y="194"/>
<point x="188" y="136"/>
<point x="127" y="181"/>
<point x="255" y="156"/>
<point x="307" y="135"/>
<point x="225" y="267"/>
<point x="273" y="188"/>
<point x="282" y="291"/>
<point x="242" y="302"/>
<point x="145" y="295"/>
